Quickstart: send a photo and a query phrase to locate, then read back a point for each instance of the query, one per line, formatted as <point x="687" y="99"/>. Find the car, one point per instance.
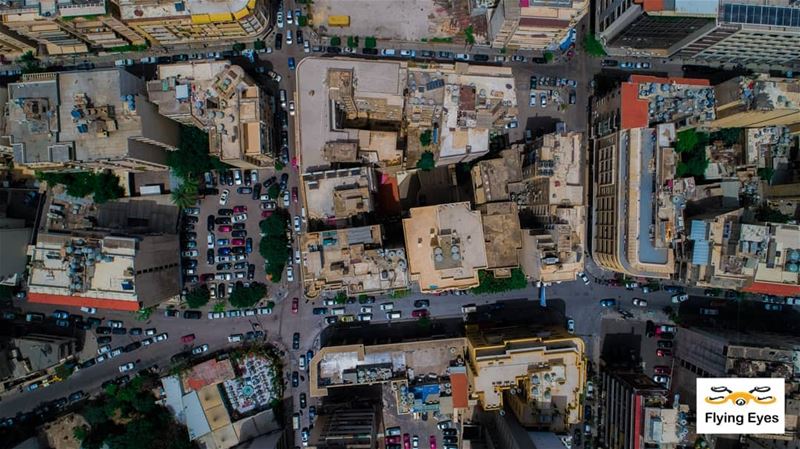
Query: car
<point x="661" y="369"/>
<point x="161" y="337"/>
<point x="291" y="63"/>
<point x="124" y="368"/>
<point x="200" y="349"/>
<point x="664" y="380"/>
<point x="570" y="325"/>
<point x="639" y="302"/>
<point x="89" y="310"/>
<point x="679" y="298"/>
<point x="295" y="304"/>
<point x="223" y="197"/>
<point x="608" y="302"/>
<point x="582" y="276"/>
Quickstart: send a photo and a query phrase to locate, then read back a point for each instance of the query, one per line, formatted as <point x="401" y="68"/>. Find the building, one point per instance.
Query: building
<point x="90" y="119"/>
<point x="347" y="425"/>
<point x="537" y="373"/>
<point x="352" y="259"/>
<point x="502" y="237"/>
<point x="447" y="110"/>
<point x="496" y="179"/>
<point x="717" y="31"/>
<point x="633" y="408"/>
<point x="66" y="27"/>
<point x="552" y="196"/>
<point x="533" y="24"/>
<point x="756" y="102"/>
<point x="224" y="101"/>
<point x="637" y="200"/>
<point x="445" y="246"/>
<point x="335" y="197"/>
<point x="169" y="24"/>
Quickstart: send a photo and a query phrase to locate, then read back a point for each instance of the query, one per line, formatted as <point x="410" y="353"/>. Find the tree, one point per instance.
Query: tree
<point x="336" y="41"/>
<point x="426" y="162"/>
<point x="426" y="137"/>
<point x="469" y="35"/>
<point x="186" y="194"/>
<point x="247" y="296"/>
<point x="198" y="297"/>
<point x="491" y="284"/>
<point x="593" y="46"/>
<point x="370" y="42"/>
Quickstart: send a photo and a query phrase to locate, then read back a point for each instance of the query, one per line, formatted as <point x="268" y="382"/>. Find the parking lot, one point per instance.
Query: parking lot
<point x="227" y="236"/>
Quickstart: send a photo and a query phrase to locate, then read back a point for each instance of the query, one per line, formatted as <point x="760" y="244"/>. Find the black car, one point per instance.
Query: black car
<point x="369" y="51"/>
<point x="210" y="221"/>
<point x="480" y="58"/>
<point x="295" y="379"/>
<point x="335" y="50"/>
<point x="119" y="331"/>
<point x="256" y="191"/>
<point x="210" y="256"/>
<point x="132" y="347"/>
<point x="103" y="330"/>
<point x="296" y="341"/>
<point x="103" y="340"/>
<point x="136" y="331"/>
<point x="225" y="212"/>
<point x="278" y="41"/>
<point x="192" y="314"/>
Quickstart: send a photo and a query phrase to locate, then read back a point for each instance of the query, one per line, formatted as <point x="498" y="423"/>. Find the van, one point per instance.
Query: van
<point x="283" y="98"/>
<point x="296" y="421"/>
<point x="393" y="315"/>
<point x="469" y="308"/>
<point x="337" y="311"/>
<point x="387" y="306"/>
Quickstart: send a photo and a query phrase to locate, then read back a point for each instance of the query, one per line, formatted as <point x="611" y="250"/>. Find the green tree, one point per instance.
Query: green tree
<point x="247" y="296"/>
<point x="186" y="194"/>
<point x="491" y="284"/>
<point x="469" y="35"/>
<point x="426" y="162"/>
<point x="426" y="137"/>
<point x="198" y="297"/>
<point x="370" y="42"/>
<point x="593" y="46"/>
<point x="336" y="41"/>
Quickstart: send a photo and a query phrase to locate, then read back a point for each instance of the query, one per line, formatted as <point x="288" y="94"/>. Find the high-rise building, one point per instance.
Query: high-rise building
<point x="169" y="23"/>
<point x="533" y="24"/>
<point x="89" y="119"/>
<point x="67" y="27"/>
<point x="635" y="215"/>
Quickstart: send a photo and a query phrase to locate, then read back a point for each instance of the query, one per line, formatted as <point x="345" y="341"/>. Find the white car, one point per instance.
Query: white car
<point x="583" y="277"/>
<point x="296" y="223"/>
<point x="210" y="240"/>
<point x="124" y="368"/>
<point x="291" y="108"/>
<point x="162" y="337"/>
<point x="639" y="302"/>
<point x="200" y="349"/>
<point x="89" y="310"/>
<point x="215" y="315"/>
<point x="150" y="332"/>
<point x="223" y="197"/>
<point x="289" y="274"/>
<point x="238" y="218"/>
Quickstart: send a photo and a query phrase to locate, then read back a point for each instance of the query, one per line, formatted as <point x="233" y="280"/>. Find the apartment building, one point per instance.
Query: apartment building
<point x="636" y="214"/>
<point x="222" y="100"/>
<point x="90" y="119"/>
<point x="533" y="24"/>
<point x="66" y="27"/>
<point x="168" y="23"/>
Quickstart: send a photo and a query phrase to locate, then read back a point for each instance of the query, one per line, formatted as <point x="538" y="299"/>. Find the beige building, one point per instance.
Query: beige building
<point x="445" y="246"/>
<point x="502" y="236"/>
<point x="533" y="24"/>
<point x="66" y="27"/>
<point x="222" y="100"/>
<point x="745" y="102"/>
<point x="351" y="259"/>
<point x="335" y="196"/>
<point x="91" y="119"/>
<point x="167" y="23"/>
<point x="552" y="191"/>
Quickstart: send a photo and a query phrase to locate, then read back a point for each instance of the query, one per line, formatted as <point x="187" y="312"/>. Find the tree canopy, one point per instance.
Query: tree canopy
<point x="247" y="296"/>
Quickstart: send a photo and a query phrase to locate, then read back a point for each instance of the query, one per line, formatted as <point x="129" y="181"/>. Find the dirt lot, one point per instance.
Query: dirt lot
<point x="209" y="206"/>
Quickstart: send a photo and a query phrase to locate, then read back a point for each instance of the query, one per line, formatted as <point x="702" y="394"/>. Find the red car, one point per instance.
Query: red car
<point x="224" y="228"/>
<point x="187" y="338"/>
<point x="664" y="352"/>
<point x="237" y="242"/>
<point x="419" y="313"/>
<point x="662" y="370"/>
<point x="433" y="442"/>
<point x="295" y="305"/>
<point x="294" y="194"/>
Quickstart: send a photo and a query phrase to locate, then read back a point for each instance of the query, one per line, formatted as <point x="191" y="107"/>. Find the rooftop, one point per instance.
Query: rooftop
<point x="353" y="259"/>
<point x="333" y="195"/>
<point x="445" y="246"/>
